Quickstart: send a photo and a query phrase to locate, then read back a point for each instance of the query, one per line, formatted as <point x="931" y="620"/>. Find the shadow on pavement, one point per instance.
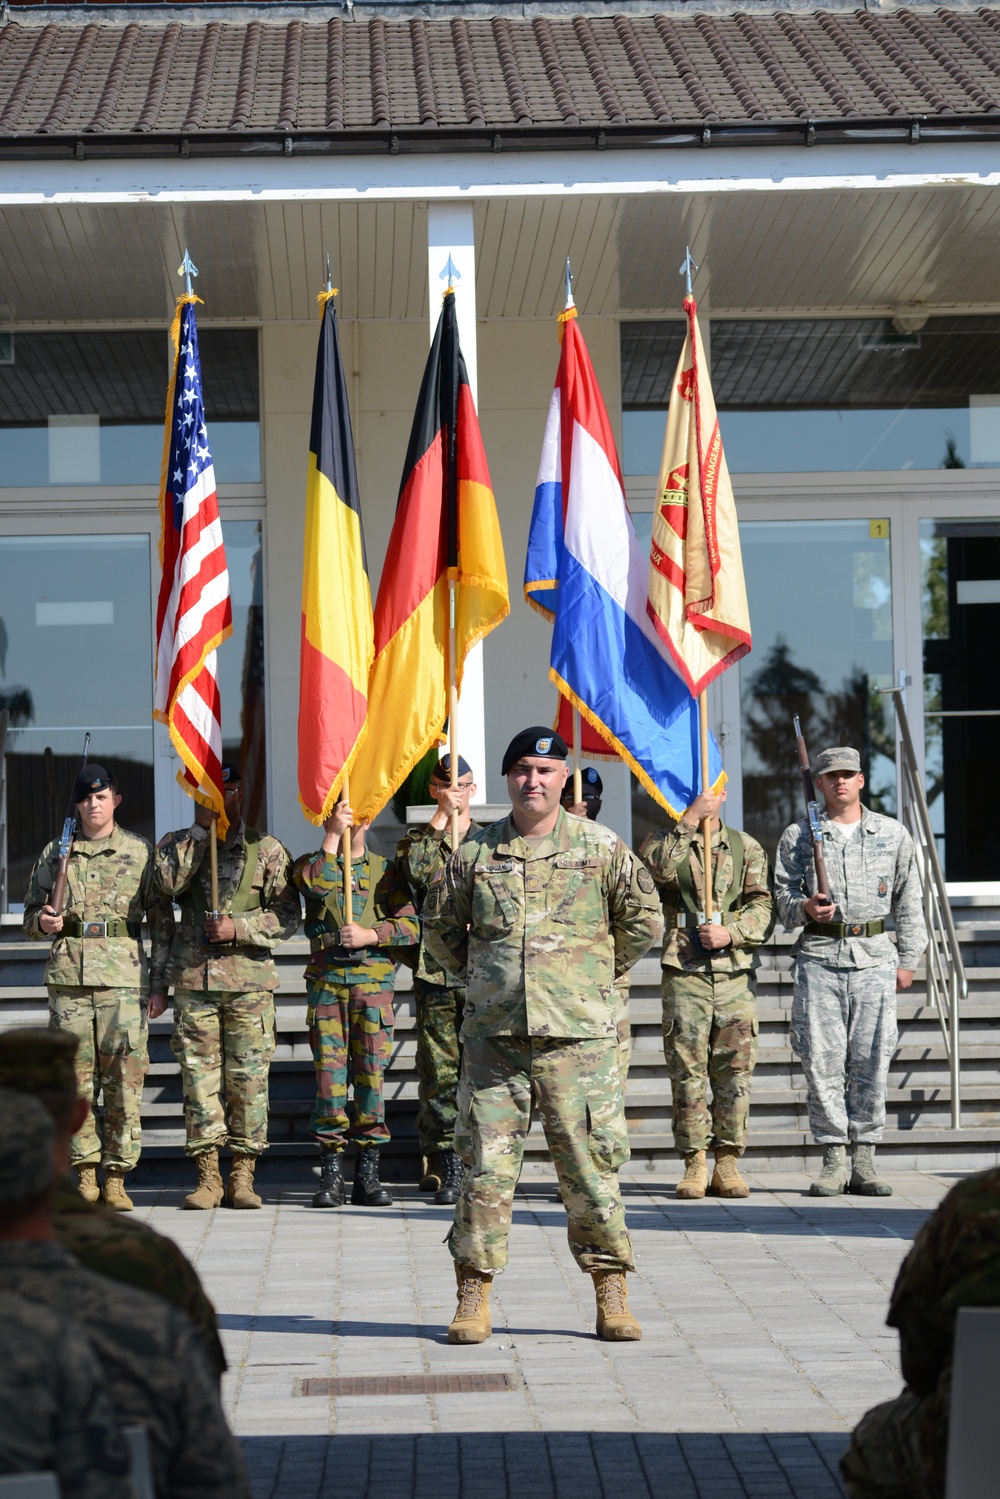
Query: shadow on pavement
<point x="850" y="1218"/>
<point x="534" y="1465"/>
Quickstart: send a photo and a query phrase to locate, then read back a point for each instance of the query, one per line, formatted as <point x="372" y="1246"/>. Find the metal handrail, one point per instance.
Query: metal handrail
<point x="4" y="720"/>
<point x="947" y="985"/>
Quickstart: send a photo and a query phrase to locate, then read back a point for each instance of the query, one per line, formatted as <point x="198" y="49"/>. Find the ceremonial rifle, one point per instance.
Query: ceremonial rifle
<point x="812" y="812"/>
<point x="68" y="833"/>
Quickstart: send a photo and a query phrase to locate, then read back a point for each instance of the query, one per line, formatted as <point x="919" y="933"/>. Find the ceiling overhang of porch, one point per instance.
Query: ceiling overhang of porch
<point x="837" y="251"/>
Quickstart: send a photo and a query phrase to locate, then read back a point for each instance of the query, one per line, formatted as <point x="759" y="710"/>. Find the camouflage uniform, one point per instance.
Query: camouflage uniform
<point x="541" y="927"/>
<point x="844" y="1003"/>
<point x="709" y="1004"/>
<point x="899" y="1449"/>
<point x="152" y="1360"/>
<point x="350" y="1013"/>
<point x="98" y="986"/>
<point x="136" y="1255"/>
<point x="439" y="998"/>
<point x="223" y="1033"/>
<point x="55" y="1413"/>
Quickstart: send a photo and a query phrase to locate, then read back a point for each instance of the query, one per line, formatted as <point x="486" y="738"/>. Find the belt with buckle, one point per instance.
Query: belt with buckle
<point x="845" y="928"/>
<point x="75" y="926"/>
<point x="690" y="918"/>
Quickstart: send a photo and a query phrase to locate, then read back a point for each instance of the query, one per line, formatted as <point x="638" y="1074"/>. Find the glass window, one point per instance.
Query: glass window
<point x="960" y="608"/>
<point x="827" y="394"/>
<point x="87" y="408"/>
<point x="75" y="656"/>
<point x="820" y="595"/>
<point x="241" y="668"/>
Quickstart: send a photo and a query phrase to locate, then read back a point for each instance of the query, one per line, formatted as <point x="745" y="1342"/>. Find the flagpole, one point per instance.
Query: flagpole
<point x="706" y="826"/>
<point x="577" y="757"/>
<point x="213" y="864"/>
<point x="345" y="849"/>
<point x="452" y="706"/>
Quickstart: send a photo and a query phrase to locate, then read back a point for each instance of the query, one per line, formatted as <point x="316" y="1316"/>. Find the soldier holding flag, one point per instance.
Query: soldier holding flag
<point x="238" y="905"/>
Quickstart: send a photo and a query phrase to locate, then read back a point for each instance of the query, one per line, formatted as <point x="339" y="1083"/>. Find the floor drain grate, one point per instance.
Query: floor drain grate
<point x="405" y="1384"/>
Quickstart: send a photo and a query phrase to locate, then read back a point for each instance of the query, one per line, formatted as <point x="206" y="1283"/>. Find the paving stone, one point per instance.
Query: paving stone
<point x="764" y="1341"/>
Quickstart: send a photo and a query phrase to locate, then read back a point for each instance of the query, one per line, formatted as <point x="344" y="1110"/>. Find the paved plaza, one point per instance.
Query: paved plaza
<point x="764" y="1340"/>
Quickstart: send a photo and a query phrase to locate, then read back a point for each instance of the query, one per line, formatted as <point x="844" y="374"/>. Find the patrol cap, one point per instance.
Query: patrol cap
<point x="92" y="778"/>
<point x="231" y="774"/>
<point x="442" y="770"/>
<point x="28" y="1135"/>
<point x="539" y="742"/>
<point x="842" y="757"/>
<point x="37" y="1060"/>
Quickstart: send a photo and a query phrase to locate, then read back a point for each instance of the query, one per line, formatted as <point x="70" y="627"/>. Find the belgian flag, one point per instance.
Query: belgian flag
<point x="337" y="649"/>
<point x="446" y="528"/>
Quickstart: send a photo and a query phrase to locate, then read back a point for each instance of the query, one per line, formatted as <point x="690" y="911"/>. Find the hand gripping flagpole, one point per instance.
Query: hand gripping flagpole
<point x="452" y="272"/>
<point x="685" y="269"/>
<point x="577" y="725"/>
<point x="347" y="889"/>
<point x="187" y="269"/>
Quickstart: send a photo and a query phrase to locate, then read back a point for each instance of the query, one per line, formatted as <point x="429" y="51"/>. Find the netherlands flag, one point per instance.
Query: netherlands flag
<point x="586" y="571"/>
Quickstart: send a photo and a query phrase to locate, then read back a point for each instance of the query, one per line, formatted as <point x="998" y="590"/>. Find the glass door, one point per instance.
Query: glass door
<point x="75" y="656"/>
<point x="960" y="623"/>
<point x="820" y="595"/>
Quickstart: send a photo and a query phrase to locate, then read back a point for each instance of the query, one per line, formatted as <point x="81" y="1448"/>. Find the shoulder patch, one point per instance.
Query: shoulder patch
<point x="645" y="880"/>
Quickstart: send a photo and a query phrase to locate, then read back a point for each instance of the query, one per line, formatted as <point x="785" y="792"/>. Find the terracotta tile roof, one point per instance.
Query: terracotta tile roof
<point x="342" y="83"/>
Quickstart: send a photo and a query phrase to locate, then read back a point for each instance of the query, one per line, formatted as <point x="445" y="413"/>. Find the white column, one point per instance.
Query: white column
<point x="450" y="233"/>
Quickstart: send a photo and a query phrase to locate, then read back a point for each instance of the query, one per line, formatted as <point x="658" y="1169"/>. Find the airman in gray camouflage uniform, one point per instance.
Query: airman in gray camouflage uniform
<point x="709" y="1004"/>
<point x="55" y="1413"/>
<point x="847" y="970"/>
<point x="97" y="975"/>
<point x="152" y="1360"/>
<point x="224" y="980"/>
<point x="541" y="912"/>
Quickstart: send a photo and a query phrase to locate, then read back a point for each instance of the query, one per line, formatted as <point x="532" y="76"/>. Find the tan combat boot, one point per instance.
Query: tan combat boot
<point x="430" y="1179"/>
<point x="726" y="1178"/>
<point x="615" y="1323"/>
<point x="86" y="1183"/>
<point x="115" y="1195"/>
<point x="471" y="1322"/>
<point x="694" y="1182"/>
<point x="239" y="1188"/>
<point x="208" y="1193"/>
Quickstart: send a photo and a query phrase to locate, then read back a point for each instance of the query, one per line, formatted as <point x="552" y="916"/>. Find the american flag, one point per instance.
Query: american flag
<point x="194" y="613"/>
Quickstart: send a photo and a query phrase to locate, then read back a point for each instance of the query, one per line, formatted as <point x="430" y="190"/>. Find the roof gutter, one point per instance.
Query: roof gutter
<point x="429" y="142"/>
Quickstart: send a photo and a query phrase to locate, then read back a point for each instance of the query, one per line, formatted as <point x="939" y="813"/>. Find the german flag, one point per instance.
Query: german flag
<point x="446" y="527"/>
<point x="337" y="649"/>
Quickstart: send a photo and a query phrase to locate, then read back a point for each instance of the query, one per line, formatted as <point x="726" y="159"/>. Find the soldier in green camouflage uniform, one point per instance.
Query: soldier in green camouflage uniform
<point x="97" y="974"/>
<point x="152" y="1360"/>
<point x="224" y="980"/>
<point x="899" y="1449"/>
<point x="350" y="980"/>
<point x="42" y="1064"/>
<point x="55" y="1412"/>
<point x="439" y="997"/>
<point x="592" y="790"/>
<point x="709" y="1004"/>
<point x="540" y="913"/>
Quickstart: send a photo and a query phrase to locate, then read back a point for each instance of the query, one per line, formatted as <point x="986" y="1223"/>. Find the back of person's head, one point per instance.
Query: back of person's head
<point x="27" y="1135"/>
<point x="42" y="1062"/>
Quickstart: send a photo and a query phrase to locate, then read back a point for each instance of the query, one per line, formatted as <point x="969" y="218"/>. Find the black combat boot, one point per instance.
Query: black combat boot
<point x="368" y="1191"/>
<point x="451" y="1179"/>
<point x="332" y="1191"/>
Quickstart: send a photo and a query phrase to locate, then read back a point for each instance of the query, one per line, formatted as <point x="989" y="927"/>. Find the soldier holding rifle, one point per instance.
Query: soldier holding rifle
<point x="847" y="970"/>
<point x="89" y="893"/>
